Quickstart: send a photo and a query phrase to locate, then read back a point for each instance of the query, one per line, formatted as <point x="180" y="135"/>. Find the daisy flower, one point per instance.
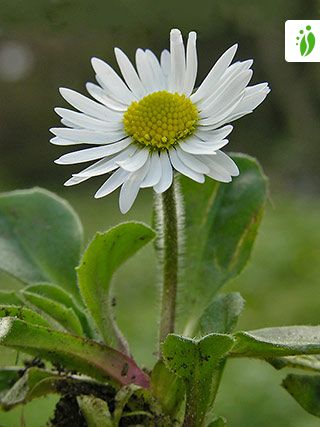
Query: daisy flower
<point x="151" y="122"/>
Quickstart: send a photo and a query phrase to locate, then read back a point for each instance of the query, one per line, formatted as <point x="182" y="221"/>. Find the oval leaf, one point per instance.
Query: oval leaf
<point x="95" y="411"/>
<point x="56" y="293"/>
<point x="306" y="362"/>
<point x="53" y="310"/>
<point x="23" y="313"/>
<point x="10" y="298"/>
<point x="40" y="238"/>
<point x="222" y="314"/>
<point x="305" y="389"/>
<point x="221" y="225"/>
<point x="198" y="363"/>
<point x="273" y="342"/>
<point x="74" y="353"/>
<point x="104" y="255"/>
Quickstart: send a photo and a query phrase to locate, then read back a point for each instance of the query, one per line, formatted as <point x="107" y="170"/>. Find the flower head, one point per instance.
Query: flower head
<point x="152" y="122"/>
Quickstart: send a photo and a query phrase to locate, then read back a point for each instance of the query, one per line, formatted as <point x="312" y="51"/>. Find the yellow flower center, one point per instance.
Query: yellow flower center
<point x="160" y="119"/>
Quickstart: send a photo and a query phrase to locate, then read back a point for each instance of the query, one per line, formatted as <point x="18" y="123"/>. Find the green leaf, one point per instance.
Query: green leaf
<point x="8" y="376"/>
<point x="104" y="255"/>
<point x="218" y="422"/>
<point x="222" y="314"/>
<point x="273" y="342"/>
<point x="62" y="315"/>
<point x="10" y="298"/>
<point x="23" y="313"/>
<point x="41" y="238"/>
<point x="95" y="411"/>
<point x="72" y="352"/>
<point x="221" y="225"/>
<point x="122" y="398"/>
<point x="168" y="389"/>
<point x="59" y="295"/>
<point x="198" y="363"/>
<point x="305" y="389"/>
<point x="306" y="362"/>
<point x="34" y="383"/>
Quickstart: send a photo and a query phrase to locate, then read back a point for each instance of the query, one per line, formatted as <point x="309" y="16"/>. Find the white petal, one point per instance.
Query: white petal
<point x="145" y="71"/>
<point x="85" y="105"/>
<point x="112" y="81"/>
<point x="229" y="118"/>
<point x="237" y="67"/>
<point x="106" y="165"/>
<point x="183" y="168"/>
<point x="165" y="62"/>
<point x="83" y="136"/>
<point x="158" y="75"/>
<point x="227" y="98"/>
<point x="216" y="172"/>
<point x="130" y="189"/>
<point x="129" y="74"/>
<point x="63" y="142"/>
<point x="101" y="95"/>
<point x="115" y="180"/>
<point x="74" y="180"/>
<point x="214" y="75"/>
<point x="177" y="54"/>
<point x="86" y="122"/>
<point x="226" y="162"/>
<point x="251" y="100"/>
<point x="192" y="161"/>
<point x="154" y="173"/>
<point x="70" y="124"/>
<point x="136" y="161"/>
<point x="191" y="65"/>
<point x="166" y="174"/>
<point x="257" y="88"/>
<point x="206" y="134"/>
<point x="96" y="153"/>
<point x="228" y="77"/>
<point x="193" y="145"/>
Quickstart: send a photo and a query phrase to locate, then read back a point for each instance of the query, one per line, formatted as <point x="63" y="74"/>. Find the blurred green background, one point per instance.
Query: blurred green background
<point x="46" y="44"/>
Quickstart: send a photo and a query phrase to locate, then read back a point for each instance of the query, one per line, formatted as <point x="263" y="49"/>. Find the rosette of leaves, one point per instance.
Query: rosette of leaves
<point x="63" y="314"/>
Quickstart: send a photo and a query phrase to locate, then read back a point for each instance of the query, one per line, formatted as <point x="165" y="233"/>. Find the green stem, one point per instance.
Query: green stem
<point x="170" y="262"/>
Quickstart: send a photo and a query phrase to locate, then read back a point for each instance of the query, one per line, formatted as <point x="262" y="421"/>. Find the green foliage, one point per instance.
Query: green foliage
<point x="10" y="298"/>
<point x="168" y="389"/>
<point x="121" y="400"/>
<point x="222" y="314"/>
<point x="74" y="353"/>
<point x="306" y="362"/>
<point x="55" y="311"/>
<point x="305" y="389"/>
<point x="103" y="257"/>
<point x="58" y="294"/>
<point x="221" y="225"/>
<point x="197" y="362"/>
<point x="282" y="341"/>
<point x="8" y="376"/>
<point x="23" y="313"/>
<point x="218" y="422"/>
<point x="41" y="238"/>
<point x="95" y="411"/>
<point x="34" y="383"/>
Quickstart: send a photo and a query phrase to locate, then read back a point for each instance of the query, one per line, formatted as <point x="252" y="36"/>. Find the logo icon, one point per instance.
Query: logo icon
<point x="302" y="40"/>
<point x="306" y="41"/>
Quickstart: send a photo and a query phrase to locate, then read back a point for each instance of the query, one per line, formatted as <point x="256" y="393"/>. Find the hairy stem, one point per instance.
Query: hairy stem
<point x="170" y="262"/>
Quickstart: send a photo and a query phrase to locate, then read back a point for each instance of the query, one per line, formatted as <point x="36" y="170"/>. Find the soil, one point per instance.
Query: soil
<point x="67" y="413"/>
